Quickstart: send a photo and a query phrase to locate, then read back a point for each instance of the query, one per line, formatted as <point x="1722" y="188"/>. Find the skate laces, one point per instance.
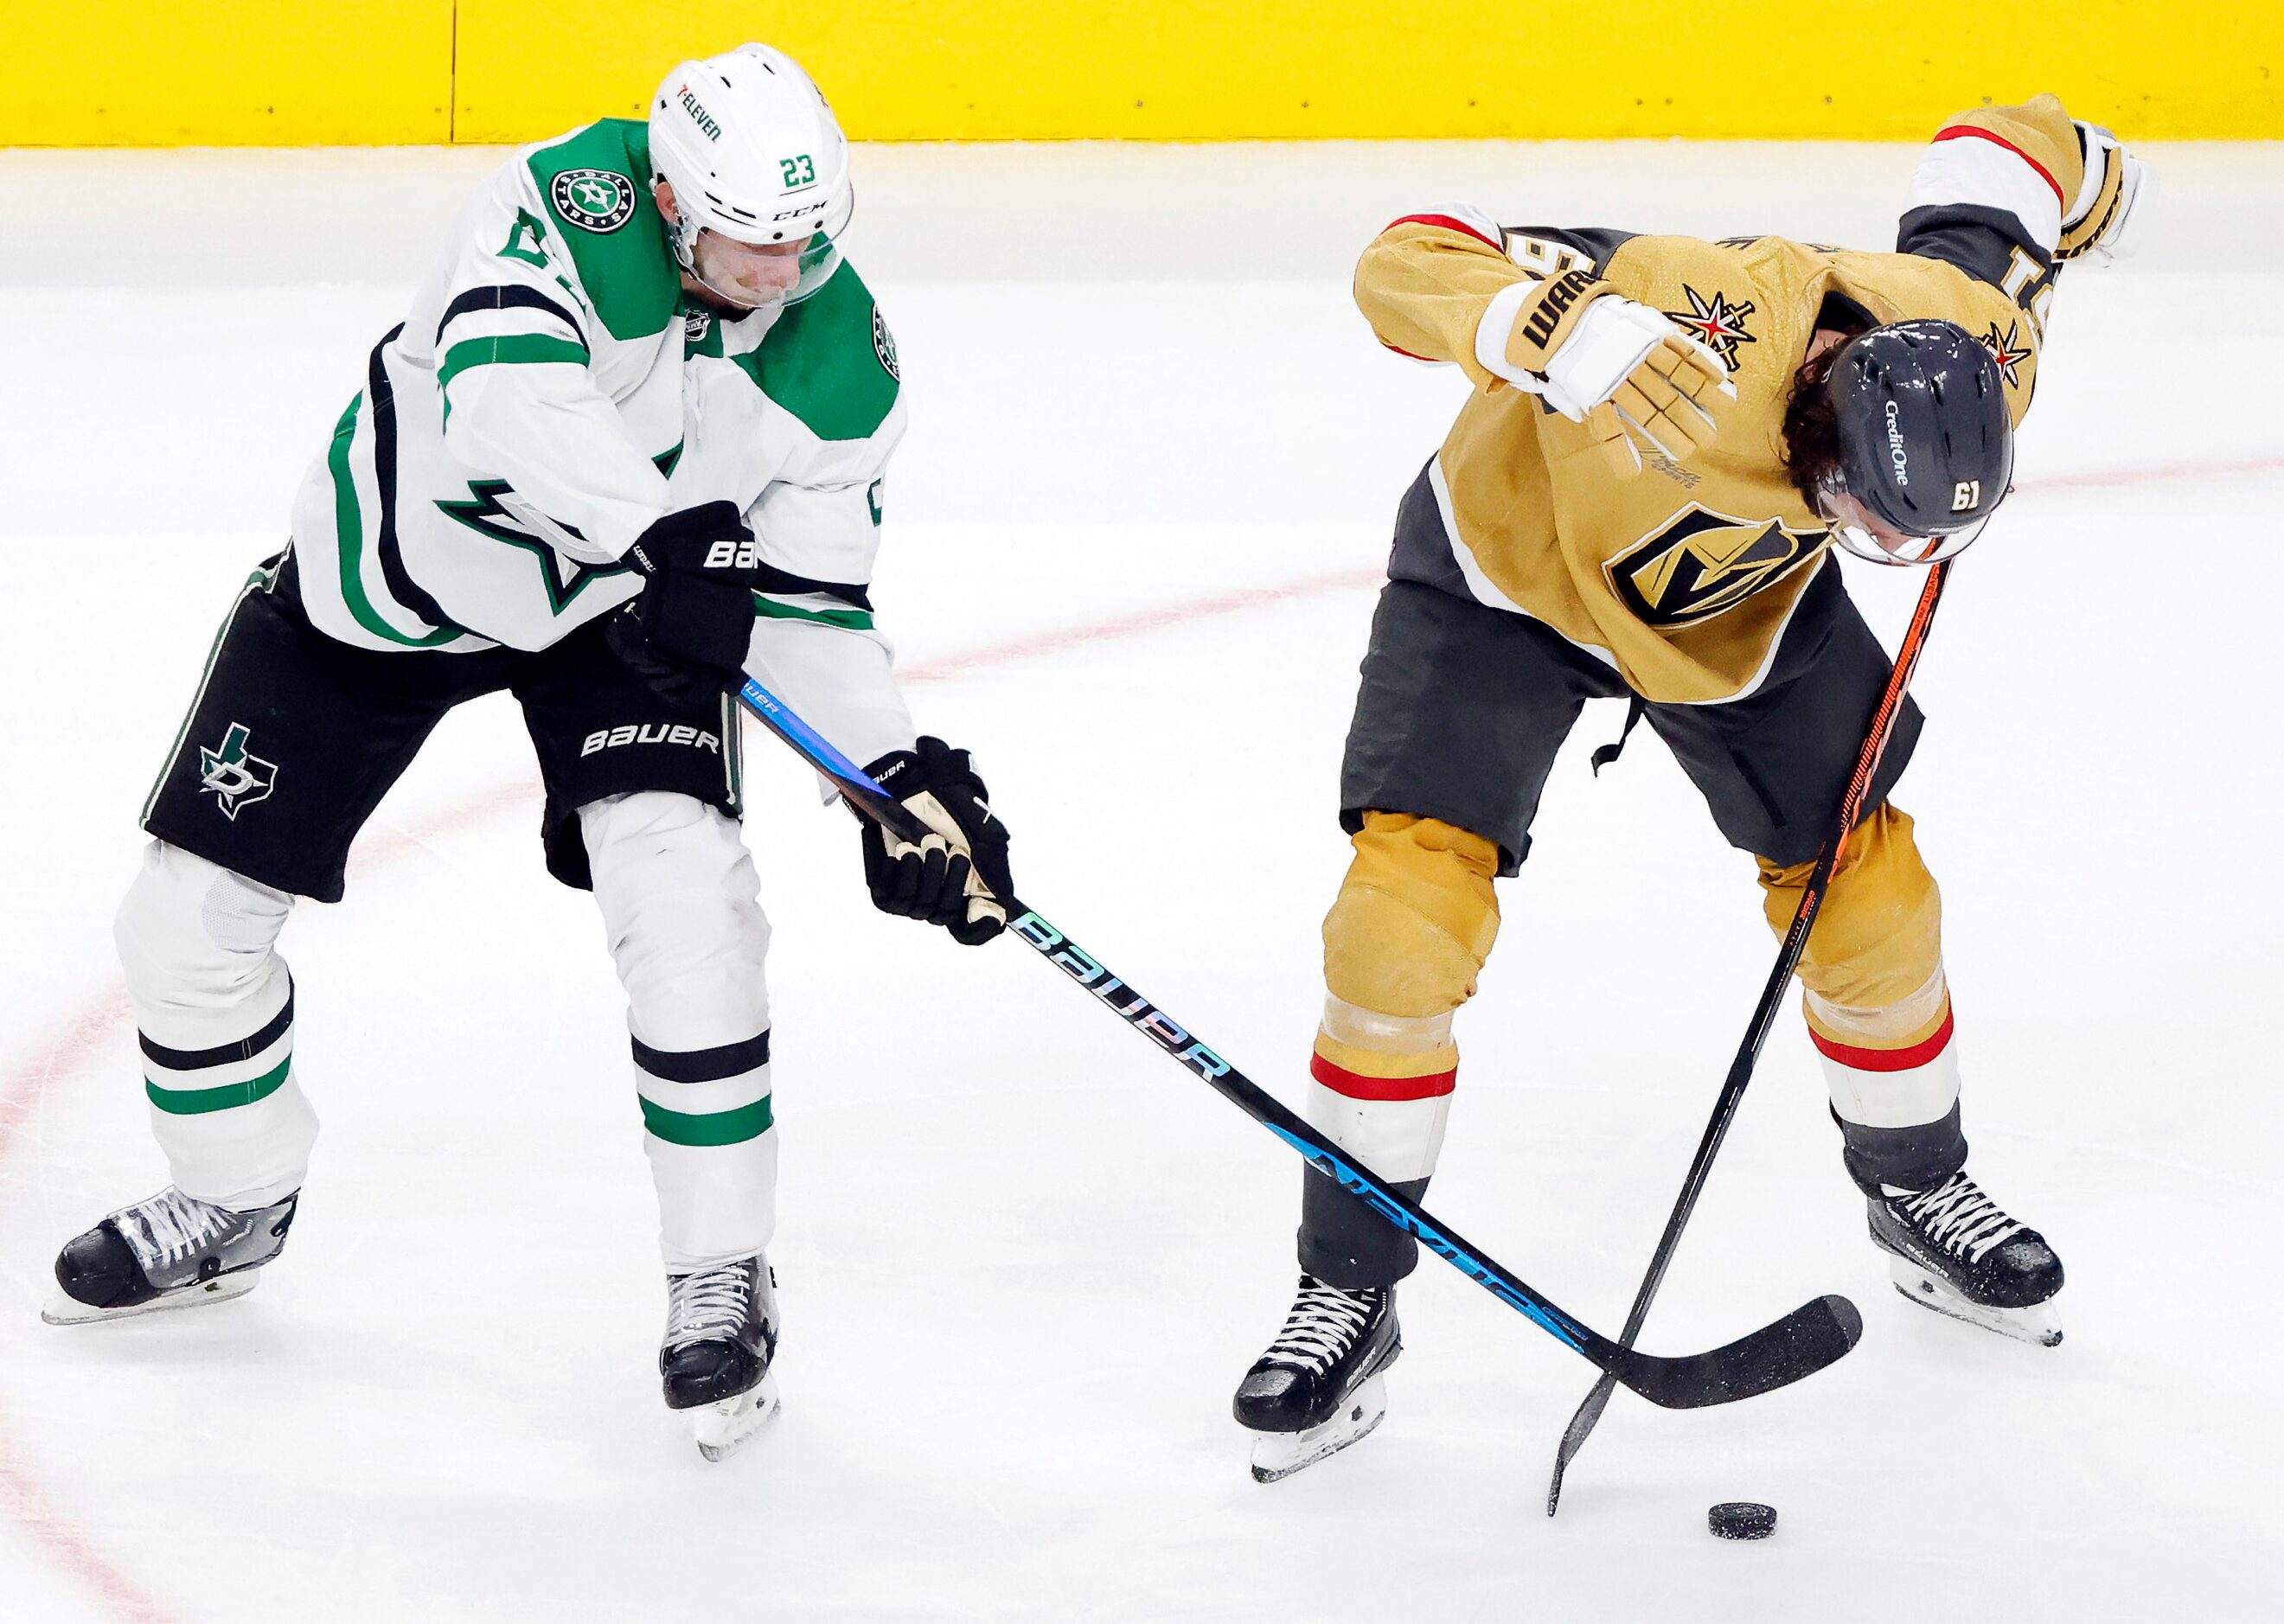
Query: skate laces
<point x="171" y="1226"/>
<point x="709" y="1303"/>
<point x="1960" y="1218"/>
<point x="1325" y="1323"/>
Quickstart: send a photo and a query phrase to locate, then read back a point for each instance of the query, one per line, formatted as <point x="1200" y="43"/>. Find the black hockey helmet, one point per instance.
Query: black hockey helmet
<point x="1926" y="446"/>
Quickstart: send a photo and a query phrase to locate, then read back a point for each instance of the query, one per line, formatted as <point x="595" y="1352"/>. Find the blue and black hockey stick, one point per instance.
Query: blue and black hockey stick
<point x="1800" y="1344"/>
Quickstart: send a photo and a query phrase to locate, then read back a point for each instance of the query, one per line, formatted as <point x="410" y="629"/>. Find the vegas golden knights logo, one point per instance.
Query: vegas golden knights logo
<point x="1699" y="563"/>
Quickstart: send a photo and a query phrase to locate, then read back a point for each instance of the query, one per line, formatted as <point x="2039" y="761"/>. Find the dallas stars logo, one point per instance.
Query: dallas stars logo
<point x="2004" y="350"/>
<point x="594" y="200"/>
<point x="234" y="777"/>
<point x="1715" y="322"/>
<point x="563" y="576"/>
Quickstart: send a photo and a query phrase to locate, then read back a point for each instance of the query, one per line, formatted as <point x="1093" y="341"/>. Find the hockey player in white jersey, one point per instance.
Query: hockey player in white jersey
<point x="627" y="445"/>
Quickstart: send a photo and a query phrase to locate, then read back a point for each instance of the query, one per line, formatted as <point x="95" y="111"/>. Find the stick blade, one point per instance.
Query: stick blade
<point x="1573" y="1436"/>
<point x="1812" y="1336"/>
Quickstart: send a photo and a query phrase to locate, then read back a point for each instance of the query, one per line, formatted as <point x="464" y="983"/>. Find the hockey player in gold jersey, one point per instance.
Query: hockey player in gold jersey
<point x="1638" y="499"/>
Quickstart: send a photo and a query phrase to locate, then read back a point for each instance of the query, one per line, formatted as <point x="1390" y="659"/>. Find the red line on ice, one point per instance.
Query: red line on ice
<point x="25" y="1502"/>
<point x="2109" y="479"/>
<point x="1133" y="625"/>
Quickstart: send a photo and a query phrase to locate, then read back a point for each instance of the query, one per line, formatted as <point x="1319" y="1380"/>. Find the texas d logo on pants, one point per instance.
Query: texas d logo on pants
<point x="234" y="777"/>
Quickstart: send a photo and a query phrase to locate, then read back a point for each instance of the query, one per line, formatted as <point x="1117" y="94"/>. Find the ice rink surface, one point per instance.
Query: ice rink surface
<point x="1132" y="537"/>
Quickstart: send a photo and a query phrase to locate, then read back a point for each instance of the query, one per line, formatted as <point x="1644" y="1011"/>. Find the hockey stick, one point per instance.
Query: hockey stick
<point x="1748" y="1052"/>
<point x="1800" y="1344"/>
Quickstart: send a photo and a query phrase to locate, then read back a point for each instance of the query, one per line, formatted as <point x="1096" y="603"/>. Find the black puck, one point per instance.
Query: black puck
<point x="1742" y="1520"/>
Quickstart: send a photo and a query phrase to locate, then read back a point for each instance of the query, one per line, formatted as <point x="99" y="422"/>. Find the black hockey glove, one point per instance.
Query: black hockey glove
<point x="955" y="877"/>
<point x="688" y="631"/>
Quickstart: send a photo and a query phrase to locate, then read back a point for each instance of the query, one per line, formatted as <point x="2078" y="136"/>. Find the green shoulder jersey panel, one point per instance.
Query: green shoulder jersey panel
<point x="597" y="187"/>
<point x="829" y="360"/>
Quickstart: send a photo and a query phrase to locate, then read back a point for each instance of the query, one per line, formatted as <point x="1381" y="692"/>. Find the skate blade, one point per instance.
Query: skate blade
<point x="1278" y="1455"/>
<point x="721" y="1428"/>
<point x="62" y="1310"/>
<point x="2040" y="1322"/>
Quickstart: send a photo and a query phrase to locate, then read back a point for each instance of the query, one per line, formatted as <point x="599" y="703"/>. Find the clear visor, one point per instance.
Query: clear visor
<point x="1862" y="533"/>
<point x="751" y="275"/>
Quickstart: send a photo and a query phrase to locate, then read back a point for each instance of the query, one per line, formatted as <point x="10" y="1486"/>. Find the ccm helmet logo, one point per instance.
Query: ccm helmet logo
<point x="734" y="555"/>
<point x="1966" y="495"/>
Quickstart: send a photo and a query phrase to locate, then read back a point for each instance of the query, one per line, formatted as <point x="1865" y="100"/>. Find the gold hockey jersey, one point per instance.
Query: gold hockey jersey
<point x="1685" y="575"/>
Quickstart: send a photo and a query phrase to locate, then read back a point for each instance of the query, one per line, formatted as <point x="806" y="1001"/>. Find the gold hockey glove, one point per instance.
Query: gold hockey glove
<point x="1549" y="313"/>
<point x="1673" y="400"/>
<point x="1601" y="358"/>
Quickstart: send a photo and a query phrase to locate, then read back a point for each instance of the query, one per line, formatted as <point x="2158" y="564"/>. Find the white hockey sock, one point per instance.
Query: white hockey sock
<point x="677" y="893"/>
<point x="213" y="1004"/>
<point x="713" y="1148"/>
<point x="1380" y="1087"/>
<point x="1893" y="1067"/>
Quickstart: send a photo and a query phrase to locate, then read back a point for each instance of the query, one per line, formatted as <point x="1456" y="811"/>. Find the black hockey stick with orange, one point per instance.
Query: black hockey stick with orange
<point x="1748" y="1052"/>
<point x="1800" y="1344"/>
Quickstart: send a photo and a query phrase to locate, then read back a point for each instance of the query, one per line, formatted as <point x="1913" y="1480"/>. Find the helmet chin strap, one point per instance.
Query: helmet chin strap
<point x="682" y="236"/>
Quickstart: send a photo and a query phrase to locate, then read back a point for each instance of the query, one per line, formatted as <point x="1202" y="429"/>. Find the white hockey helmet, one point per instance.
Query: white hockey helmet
<point x="753" y="152"/>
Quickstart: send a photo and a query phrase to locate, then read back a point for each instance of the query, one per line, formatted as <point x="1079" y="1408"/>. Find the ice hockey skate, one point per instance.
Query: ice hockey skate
<point x="721" y="1335"/>
<point x="1953" y="1250"/>
<point x="1319" y="1389"/>
<point x="172" y="1251"/>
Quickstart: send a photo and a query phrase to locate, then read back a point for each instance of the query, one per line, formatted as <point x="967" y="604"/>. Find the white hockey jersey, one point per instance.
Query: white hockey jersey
<point x="552" y="391"/>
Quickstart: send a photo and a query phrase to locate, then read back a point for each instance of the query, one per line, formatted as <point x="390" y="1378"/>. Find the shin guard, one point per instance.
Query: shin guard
<point x="213" y="1006"/>
<point x="1879" y="1008"/>
<point x="1413" y="924"/>
<point x="680" y="902"/>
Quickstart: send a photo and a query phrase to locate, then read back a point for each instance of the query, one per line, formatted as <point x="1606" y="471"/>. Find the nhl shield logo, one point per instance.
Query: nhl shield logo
<point x="234" y="777"/>
<point x="594" y="200"/>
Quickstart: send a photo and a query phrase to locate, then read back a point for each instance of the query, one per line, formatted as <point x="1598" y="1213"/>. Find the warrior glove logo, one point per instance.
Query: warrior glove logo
<point x="594" y="200"/>
<point x="233" y="778"/>
<point x="1562" y="292"/>
<point x="1700" y="563"/>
